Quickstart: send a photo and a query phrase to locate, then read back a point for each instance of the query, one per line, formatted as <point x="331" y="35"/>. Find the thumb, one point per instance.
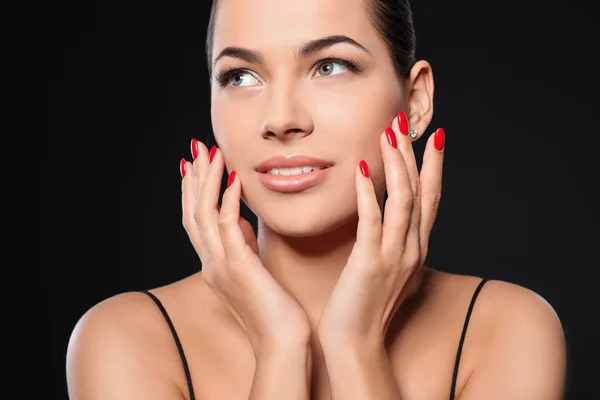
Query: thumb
<point x="249" y="235"/>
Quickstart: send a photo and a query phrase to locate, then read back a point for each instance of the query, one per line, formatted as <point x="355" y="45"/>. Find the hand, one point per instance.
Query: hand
<point x="385" y="256"/>
<point x="227" y="247"/>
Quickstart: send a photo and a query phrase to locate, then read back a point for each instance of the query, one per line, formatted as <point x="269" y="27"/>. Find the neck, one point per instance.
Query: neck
<point x="309" y="267"/>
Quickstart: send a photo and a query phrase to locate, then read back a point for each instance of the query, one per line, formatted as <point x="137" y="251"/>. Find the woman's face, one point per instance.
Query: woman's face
<point x="287" y="100"/>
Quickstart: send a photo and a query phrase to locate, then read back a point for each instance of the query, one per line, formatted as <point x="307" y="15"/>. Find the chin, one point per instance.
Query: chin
<point x="303" y="225"/>
<point x="311" y="213"/>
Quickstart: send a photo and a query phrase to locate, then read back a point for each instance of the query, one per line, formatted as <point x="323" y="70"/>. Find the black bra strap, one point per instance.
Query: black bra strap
<point x="186" y="369"/>
<point x="462" y="337"/>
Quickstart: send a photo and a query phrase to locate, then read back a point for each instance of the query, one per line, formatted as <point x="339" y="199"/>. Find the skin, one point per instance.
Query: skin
<point x="329" y="301"/>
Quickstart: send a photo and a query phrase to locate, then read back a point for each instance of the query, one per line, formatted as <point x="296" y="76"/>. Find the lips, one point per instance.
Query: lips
<point x="293" y="161"/>
<point x="293" y="183"/>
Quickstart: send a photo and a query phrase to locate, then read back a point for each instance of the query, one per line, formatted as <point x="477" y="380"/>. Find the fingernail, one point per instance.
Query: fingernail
<point x="403" y="123"/>
<point x="364" y="168"/>
<point x="213" y="150"/>
<point x="194" y="148"/>
<point x="438" y="140"/>
<point x="231" y="178"/>
<point x="391" y="137"/>
<point x="182" y="167"/>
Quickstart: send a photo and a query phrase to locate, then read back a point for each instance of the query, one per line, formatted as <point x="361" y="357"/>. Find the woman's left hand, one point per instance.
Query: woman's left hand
<point x="386" y="255"/>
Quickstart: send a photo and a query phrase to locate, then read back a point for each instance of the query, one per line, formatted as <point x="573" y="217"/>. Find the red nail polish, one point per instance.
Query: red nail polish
<point x="182" y="167"/>
<point x="213" y="150"/>
<point x="231" y="178"/>
<point x="403" y="123"/>
<point x="391" y="137"/>
<point x="364" y="168"/>
<point x="438" y="140"/>
<point x="194" y="148"/>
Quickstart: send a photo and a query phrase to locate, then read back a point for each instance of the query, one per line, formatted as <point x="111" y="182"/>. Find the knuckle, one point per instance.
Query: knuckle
<point x="226" y="220"/>
<point x="437" y="197"/>
<point x="414" y="258"/>
<point x="424" y="250"/>
<point x="407" y="202"/>
<point x="224" y="223"/>
<point x="374" y="223"/>
<point x="417" y="191"/>
<point x="373" y="218"/>
<point x="197" y="218"/>
<point x="188" y="223"/>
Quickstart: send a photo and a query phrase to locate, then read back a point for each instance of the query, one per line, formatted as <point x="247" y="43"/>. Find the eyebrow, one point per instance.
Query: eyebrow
<point x="306" y="49"/>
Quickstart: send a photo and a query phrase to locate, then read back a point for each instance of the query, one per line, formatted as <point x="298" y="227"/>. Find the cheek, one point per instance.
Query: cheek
<point x="235" y="126"/>
<point x="357" y="112"/>
<point x="353" y="120"/>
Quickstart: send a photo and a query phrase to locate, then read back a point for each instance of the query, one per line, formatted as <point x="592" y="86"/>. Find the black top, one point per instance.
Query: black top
<point x="186" y="368"/>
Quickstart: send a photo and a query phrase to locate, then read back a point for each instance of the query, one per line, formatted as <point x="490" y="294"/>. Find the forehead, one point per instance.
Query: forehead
<point x="277" y="24"/>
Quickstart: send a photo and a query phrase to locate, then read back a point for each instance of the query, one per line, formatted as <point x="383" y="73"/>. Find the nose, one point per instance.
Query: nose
<point x="286" y="114"/>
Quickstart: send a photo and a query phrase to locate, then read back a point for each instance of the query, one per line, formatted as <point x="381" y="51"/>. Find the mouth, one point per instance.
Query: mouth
<point x="293" y="173"/>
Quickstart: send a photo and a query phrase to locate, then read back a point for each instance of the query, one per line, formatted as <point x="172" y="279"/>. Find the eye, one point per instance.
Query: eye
<point x="332" y="68"/>
<point x="243" y="78"/>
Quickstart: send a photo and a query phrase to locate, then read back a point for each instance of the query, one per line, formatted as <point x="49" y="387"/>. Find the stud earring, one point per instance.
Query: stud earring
<point x="413" y="133"/>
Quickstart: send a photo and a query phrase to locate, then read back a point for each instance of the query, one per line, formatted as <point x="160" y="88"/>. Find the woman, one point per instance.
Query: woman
<point x="315" y="105"/>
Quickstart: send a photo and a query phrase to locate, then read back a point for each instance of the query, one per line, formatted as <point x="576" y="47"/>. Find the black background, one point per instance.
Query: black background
<point x="516" y="91"/>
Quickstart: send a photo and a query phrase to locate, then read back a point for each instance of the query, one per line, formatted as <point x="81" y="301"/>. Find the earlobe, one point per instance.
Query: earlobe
<point x="420" y="97"/>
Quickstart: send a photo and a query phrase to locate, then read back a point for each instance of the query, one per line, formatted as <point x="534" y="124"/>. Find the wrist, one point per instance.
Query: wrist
<point x="335" y="338"/>
<point x="335" y="347"/>
<point x="274" y="350"/>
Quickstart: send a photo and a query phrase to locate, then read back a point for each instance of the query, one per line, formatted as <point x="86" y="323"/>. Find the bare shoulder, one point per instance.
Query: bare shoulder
<point x="501" y="306"/>
<point x="516" y="304"/>
<point x="517" y="316"/>
<point x="122" y="348"/>
<point x="520" y="342"/>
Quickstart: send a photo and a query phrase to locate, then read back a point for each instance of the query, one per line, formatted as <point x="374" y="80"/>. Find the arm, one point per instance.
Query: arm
<point x="527" y="353"/>
<point x="108" y="356"/>
<point x="361" y="371"/>
<point x="526" y="358"/>
<point x="115" y="353"/>
<point x="282" y="372"/>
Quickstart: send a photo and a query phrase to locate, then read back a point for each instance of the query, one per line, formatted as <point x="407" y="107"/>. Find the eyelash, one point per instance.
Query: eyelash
<point x="224" y="76"/>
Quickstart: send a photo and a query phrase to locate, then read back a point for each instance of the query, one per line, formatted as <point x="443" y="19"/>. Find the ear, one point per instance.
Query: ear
<point x="420" y="97"/>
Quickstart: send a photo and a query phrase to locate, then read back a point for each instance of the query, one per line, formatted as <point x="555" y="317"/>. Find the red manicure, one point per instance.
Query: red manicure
<point x="391" y="137"/>
<point x="182" y="167"/>
<point x="213" y="150"/>
<point x="438" y="140"/>
<point x="364" y="168"/>
<point x="194" y="147"/>
<point x="403" y="123"/>
<point x="231" y="178"/>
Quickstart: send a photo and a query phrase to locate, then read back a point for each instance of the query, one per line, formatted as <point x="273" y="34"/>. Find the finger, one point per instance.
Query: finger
<point x="206" y="213"/>
<point x="188" y="202"/>
<point x="400" y="201"/>
<point x="431" y="182"/>
<point x="200" y="163"/>
<point x="249" y="234"/>
<point x="401" y="128"/>
<point x="232" y="236"/>
<point x="405" y="145"/>
<point x="368" y="232"/>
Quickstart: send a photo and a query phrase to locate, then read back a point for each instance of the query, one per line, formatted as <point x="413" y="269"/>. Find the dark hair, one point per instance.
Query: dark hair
<point x="393" y="20"/>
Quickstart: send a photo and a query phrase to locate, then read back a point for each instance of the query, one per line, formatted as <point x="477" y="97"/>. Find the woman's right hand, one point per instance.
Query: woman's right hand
<point x="228" y="250"/>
